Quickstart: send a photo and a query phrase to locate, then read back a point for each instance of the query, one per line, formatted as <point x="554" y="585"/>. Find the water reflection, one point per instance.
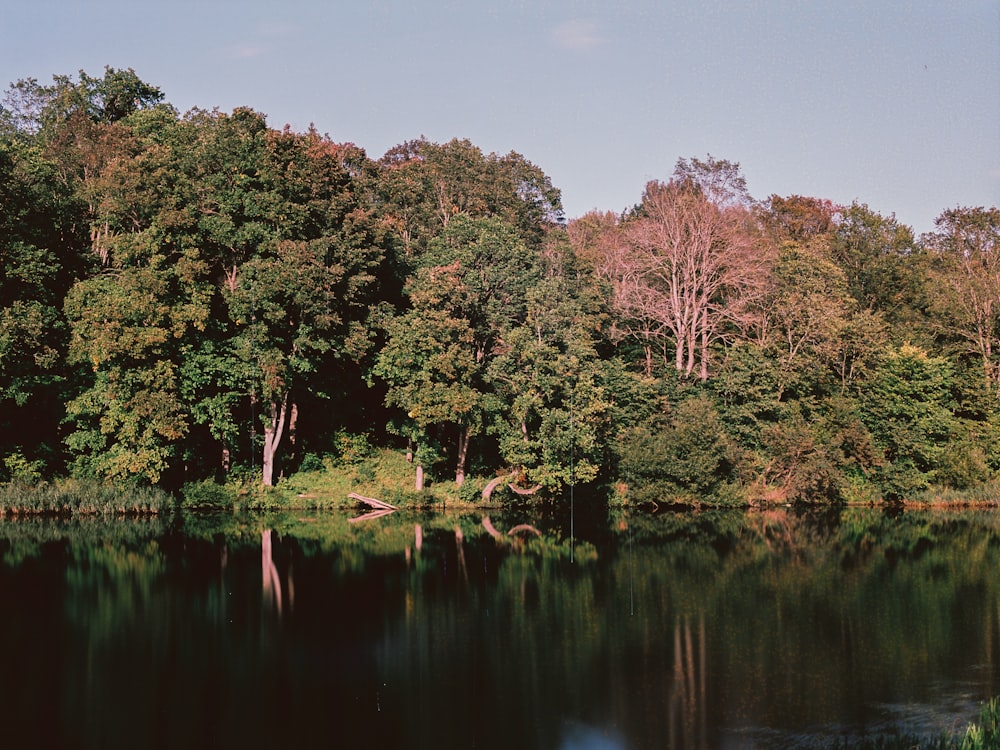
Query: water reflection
<point x="726" y="630"/>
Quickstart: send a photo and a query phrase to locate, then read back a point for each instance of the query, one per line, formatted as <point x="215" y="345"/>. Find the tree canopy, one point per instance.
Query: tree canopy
<point x="185" y="296"/>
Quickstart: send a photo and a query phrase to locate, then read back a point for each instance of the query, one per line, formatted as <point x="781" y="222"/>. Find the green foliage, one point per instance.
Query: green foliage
<point x="352" y="448"/>
<point x="907" y="408"/>
<point x="22" y="471"/>
<point x="686" y="457"/>
<point x="208" y="495"/>
<point x="72" y="497"/>
<point x="874" y="252"/>
<point x="819" y="456"/>
<point x="468" y="291"/>
<point x="747" y="391"/>
<point x="551" y="404"/>
<point x="423" y="185"/>
<point x="984" y="735"/>
<point x="182" y="296"/>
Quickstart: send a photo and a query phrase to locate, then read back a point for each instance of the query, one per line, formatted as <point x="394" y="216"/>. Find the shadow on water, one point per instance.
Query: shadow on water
<point x="715" y="629"/>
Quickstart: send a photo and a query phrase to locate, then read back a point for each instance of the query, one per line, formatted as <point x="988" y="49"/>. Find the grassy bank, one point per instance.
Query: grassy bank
<point x="325" y="484"/>
<point x="73" y="497"/>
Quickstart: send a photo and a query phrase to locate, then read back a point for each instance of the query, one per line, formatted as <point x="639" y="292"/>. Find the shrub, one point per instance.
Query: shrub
<point x="21" y="470"/>
<point x="352" y="448"/>
<point x="689" y="456"/>
<point x="207" y="494"/>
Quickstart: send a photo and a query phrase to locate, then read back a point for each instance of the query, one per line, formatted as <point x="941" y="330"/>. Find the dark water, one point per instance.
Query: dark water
<point x="729" y="630"/>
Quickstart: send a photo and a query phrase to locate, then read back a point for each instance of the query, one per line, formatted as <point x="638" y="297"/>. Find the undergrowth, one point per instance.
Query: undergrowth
<point x="72" y="497"/>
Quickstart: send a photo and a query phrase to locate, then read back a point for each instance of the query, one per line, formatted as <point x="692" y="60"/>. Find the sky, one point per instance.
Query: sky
<point x="890" y="103"/>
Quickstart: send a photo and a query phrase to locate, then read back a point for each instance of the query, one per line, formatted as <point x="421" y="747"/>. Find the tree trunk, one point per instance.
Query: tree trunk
<point x="292" y="455"/>
<point x="419" y="484"/>
<point x="225" y="463"/>
<point x="463" y="452"/>
<point x="272" y="437"/>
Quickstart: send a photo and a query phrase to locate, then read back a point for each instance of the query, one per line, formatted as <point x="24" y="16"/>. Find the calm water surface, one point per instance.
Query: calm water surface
<point x="644" y="631"/>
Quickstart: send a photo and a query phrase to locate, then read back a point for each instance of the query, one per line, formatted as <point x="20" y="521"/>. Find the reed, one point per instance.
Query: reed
<point x="981" y="735"/>
<point x="986" y="734"/>
<point x="74" y="497"/>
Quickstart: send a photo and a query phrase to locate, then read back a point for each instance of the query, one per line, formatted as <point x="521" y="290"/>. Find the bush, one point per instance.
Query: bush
<point x="312" y="462"/>
<point x="352" y="449"/>
<point x="687" y="457"/>
<point x="208" y="494"/>
<point x="471" y="491"/>
<point x="21" y="470"/>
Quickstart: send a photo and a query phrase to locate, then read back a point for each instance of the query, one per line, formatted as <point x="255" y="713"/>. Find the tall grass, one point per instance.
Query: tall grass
<point x="986" y="734"/>
<point x="981" y="735"/>
<point x="987" y="494"/>
<point x="73" y="497"/>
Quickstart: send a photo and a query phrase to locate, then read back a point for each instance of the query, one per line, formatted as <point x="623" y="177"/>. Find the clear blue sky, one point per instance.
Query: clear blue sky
<point x="893" y="103"/>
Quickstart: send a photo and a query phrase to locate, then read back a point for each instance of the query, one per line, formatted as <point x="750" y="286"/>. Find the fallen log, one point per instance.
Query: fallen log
<point x="372" y="502"/>
<point x="494" y="483"/>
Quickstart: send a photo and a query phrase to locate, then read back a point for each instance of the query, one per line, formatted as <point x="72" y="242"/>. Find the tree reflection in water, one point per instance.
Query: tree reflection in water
<point x="431" y="631"/>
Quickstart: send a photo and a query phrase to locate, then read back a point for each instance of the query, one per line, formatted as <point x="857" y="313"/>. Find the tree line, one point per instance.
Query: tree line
<point x="193" y="295"/>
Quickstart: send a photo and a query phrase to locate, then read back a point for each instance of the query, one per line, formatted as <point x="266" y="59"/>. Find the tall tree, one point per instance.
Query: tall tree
<point x="551" y="404"/>
<point x="466" y="295"/>
<point x="684" y="265"/>
<point x="876" y="253"/>
<point x="40" y="255"/>
<point x="252" y="255"/>
<point x="423" y="185"/>
<point x="966" y="267"/>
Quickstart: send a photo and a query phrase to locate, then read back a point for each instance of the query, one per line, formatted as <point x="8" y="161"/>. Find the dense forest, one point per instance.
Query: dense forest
<point x="200" y="295"/>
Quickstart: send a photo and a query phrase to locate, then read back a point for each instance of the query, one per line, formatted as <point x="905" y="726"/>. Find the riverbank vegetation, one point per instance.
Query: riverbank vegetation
<point x="202" y="300"/>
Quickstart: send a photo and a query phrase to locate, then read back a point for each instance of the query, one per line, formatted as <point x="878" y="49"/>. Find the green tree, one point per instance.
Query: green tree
<point x="253" y="257"/>
<point x="30" y="108"/>
<point x="908" y="405"/>
<point x="682" y="456"/>
<point x="809" y="312"/>
<point x="551" y="405"/>
<point x="302" y="305"/>
<point x="965" y="267"/>
<point x="467" y="294"/>
<point x="126" y="328"/>
<point x="422" y="185"/>
<point x="41" y="251"/>
<point x="874" y="251"/>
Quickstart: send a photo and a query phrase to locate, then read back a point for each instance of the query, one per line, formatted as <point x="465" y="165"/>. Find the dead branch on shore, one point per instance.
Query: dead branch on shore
<point x="494" y="483"/>
<point x="372" y="502"/>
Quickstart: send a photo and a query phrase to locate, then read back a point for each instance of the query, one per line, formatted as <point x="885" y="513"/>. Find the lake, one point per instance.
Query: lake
<point x="716" y="629"/>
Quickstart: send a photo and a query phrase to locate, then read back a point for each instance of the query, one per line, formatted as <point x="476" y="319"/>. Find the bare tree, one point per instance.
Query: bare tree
<point x="683" y="268"/>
